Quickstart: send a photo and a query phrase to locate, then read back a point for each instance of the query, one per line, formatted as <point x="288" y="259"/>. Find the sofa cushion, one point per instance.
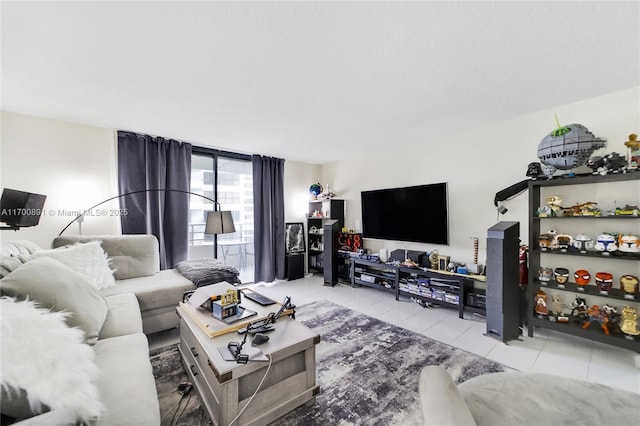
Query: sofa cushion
<point x="15" y="254"/>
<point x="88" y="260"/>
<point x="45" y="363"/>
<point x="131" y="256"/>
<point x="160" y="290"/>
<point x="126" y="382"/>
<point x="53" y="285"/>
<point x="20" y="247"/>
<point x="441" y="401"/>
<point x="123" y="316"/>
<point x="547" y="399"/>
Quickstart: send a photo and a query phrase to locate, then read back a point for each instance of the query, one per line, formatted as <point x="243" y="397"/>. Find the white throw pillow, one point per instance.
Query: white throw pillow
<point x="56" y="286"/>
<point x="47" y="360"/>
<point x="87" y="259"/>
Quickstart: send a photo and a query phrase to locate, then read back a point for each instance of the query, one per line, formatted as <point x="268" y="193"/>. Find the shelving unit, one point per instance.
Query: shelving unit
<point x="319" y="212"/>
<point x="374" y="274"/>
<point x="432" y="287"/>
<point x="618" y="263"/>
<point x="445" y="289"/>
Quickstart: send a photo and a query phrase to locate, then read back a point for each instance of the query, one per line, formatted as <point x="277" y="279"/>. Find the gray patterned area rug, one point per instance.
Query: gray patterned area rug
<point x="367" y="370"/>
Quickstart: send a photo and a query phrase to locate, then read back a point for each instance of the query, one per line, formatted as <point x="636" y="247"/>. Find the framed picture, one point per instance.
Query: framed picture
<point x="443" y="262"/>
<point x="294" y="237"/>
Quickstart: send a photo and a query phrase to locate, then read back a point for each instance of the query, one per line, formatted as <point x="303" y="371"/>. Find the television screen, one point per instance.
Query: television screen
<point x="20" y="209"/>
<point x="414" y="213"/>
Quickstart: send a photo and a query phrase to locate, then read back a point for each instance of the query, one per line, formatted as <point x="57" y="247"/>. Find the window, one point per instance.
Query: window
<point x="228" y="179"/>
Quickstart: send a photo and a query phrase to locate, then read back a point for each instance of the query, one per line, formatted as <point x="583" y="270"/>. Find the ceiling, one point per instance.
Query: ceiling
<point x="311" y="81"/>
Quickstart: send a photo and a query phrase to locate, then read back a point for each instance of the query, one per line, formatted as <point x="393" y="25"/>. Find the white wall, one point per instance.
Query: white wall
<point x="73" y="165"/>
<point x="477" y="164"/>
<point x="297" y="179"/>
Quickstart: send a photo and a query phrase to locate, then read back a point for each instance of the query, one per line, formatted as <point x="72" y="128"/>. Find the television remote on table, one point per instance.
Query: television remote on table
<point x="259" y="298"/>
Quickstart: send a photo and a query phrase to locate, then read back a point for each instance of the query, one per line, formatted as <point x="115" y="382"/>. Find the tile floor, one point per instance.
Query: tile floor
<point x="548" y="352"/>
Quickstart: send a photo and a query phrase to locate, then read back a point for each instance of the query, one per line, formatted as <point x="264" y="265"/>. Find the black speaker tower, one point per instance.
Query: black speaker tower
<point x="330" y="247"/>
<point x="503" y="290"/>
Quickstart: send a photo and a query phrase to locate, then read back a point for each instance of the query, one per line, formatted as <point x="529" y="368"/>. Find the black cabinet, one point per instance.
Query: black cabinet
<point x="294" y="264"/>
<point x="320" y="212"/>
<point x="446" y="289"/>
<point x="598" y="189"/>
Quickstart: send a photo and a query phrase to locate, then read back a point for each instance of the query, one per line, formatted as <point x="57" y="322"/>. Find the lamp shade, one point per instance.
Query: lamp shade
<point x="219" y="222"/>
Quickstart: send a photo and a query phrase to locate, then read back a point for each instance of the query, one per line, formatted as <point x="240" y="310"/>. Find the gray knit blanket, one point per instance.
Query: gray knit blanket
<point x="203" y="272"/>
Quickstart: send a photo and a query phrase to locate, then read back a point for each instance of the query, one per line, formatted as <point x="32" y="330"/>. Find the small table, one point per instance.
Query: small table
<point x="225" y="387"/>
<point x="227" y="245"/>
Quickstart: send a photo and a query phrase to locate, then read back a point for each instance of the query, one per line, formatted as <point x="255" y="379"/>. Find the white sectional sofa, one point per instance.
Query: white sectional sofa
<point x="114" y="320"/>
<point x="136" y="262"/>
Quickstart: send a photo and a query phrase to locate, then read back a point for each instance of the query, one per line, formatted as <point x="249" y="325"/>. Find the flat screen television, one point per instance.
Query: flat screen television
<point x="20" y="209"/>
<point x="413" y="213"/>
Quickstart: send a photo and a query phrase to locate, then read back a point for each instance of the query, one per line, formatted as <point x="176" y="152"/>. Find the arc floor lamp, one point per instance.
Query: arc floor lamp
<point x="218" y="221"/>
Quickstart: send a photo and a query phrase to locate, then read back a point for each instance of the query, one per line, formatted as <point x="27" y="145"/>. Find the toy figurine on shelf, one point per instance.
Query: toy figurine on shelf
<point x="613" y="318"/>
<point x="583" y="243"/>
<point x="541" y="303"/>
<point x="604" y="281"/>
<point x="633" y="152"/>
<point x="629" y="284"/>
<point x="585" y="209"/>
<point x="534" y="170"/>
<point x="554" y="204"/>
<point x="544" y="211"/>
<point x="629" y="244"/>
<point x="595" y="163"/>
<point x="433" y="259"/>
<point x="544" y="275"/>
<point x="595" y="314"/>
<point x="630" y="321"/>
<point x="579" y="309"/>
<point x="327" y="194"/>
<point x="556" y="302"/>
<point x="627" y="210"/>
<point x="582" y="277"/>
<point x="544" y="241"/>
<point x="563" y="242"/>
<point x="609" y="163"/>
<point x="561" y="275"/>
<point x="606" y="243"/>
<point x="613" y="163"/>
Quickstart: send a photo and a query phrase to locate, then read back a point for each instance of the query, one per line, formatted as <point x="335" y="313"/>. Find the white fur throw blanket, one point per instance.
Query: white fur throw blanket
<point x="45" y="358"/>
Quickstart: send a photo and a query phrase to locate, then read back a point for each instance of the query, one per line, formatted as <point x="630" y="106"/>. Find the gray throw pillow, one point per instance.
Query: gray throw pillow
<point x="53" y="285"/>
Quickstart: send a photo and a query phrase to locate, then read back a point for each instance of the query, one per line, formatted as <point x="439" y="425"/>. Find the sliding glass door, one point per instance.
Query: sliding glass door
<point x="228" y="179"/>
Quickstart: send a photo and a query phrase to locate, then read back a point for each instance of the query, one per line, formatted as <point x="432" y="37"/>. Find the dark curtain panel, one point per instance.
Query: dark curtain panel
<point x="268" y="216"/>
<point x="148" y="162"/>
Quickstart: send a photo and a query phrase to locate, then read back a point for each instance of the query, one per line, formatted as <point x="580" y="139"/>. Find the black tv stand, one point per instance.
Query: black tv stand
<point x="442" y="288"/>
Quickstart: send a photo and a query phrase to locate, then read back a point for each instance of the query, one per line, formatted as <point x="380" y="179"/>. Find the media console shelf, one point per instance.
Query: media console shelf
<point x="441" y="288"/>
<point x="374" y="274"/>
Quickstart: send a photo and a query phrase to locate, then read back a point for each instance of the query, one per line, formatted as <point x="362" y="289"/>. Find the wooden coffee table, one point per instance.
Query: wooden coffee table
<point x="225" y="387"/>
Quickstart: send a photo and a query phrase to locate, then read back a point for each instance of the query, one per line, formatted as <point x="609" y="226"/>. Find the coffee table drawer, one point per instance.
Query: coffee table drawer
<point x="200" y="358"/>
<point x="197" y="378"/>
